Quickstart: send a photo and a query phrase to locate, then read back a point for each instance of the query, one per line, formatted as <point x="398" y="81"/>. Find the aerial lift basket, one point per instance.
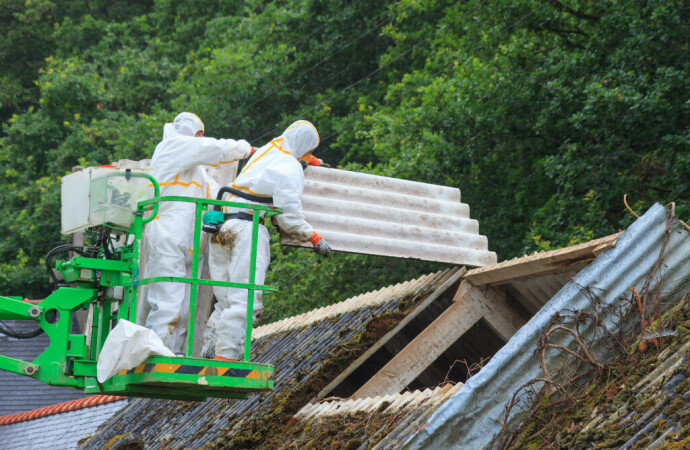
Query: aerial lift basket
<point x="105" y="281"/>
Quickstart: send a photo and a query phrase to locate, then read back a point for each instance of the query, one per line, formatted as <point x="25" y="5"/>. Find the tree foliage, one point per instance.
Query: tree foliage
<point x="544" y="114"/>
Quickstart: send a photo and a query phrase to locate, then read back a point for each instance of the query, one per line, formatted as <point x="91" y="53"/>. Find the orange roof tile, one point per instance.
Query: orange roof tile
<point x="73" y="405"/>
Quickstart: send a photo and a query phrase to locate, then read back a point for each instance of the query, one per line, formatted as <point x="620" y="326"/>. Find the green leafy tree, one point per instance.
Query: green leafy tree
<point x="544" y="114"/>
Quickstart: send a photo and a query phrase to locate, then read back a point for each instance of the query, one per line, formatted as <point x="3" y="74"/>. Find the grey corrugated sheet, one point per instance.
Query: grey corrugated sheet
<point x="375" y="215"/>
<point x="19" y="393"/>
<point x="471" y="418"/>
<point x="57" y="431"/>
<point x="297" y="353"/>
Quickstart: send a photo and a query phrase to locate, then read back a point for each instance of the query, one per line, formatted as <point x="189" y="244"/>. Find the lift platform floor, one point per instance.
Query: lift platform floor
<point x="186" y="378"/>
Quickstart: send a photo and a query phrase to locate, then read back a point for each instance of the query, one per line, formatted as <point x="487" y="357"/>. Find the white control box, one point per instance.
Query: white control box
<point x="101" y="196"/>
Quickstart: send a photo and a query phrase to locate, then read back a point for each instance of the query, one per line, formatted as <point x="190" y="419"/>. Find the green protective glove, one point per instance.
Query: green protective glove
<point x="214" y="218"/>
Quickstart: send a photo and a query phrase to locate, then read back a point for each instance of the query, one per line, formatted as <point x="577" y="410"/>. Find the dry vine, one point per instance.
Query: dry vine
<point x="542" y="400"/>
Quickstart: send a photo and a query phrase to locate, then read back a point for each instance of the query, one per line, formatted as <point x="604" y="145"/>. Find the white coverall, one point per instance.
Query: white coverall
<point x="273" y="171"/>
<point x="169" y="238"/>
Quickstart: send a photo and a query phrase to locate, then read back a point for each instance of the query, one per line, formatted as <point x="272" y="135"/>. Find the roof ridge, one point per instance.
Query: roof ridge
<point x="72" y="405"/>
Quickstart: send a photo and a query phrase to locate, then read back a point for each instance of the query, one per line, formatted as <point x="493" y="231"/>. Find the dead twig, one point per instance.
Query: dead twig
<point x="625" y="202"/>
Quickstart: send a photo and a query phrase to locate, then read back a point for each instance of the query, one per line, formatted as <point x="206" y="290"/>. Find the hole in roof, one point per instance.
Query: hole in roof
<point x="468" y="353"/>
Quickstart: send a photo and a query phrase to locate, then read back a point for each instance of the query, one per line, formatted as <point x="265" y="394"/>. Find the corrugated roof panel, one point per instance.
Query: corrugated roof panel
<point x="384" y="184"/>
<point x="468" y="419"/>
<point x="387" y="403"/>
<point x="369" y="298"/>
<point x="664" y="387"/>
<point x="370" y="214"/>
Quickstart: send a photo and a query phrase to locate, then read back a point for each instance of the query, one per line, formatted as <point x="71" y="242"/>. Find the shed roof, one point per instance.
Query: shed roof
<point x="650" y="256"/>
<point x="59" y="426"/>
<point x="338" y="350"/>
<point x="20" y="393"/>
<point x="306" y="357"/>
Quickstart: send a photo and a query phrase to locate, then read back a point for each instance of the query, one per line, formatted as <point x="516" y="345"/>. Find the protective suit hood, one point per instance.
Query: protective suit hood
<point x="169" y="131"/>
<point x="300" y="138"/>
<point x="186" y="124"/>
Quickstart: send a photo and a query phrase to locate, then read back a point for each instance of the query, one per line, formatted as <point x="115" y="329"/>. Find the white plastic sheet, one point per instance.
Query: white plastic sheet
<point x="127" y="346"/>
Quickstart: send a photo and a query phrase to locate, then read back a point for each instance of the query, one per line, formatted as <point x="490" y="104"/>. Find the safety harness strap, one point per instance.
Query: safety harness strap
<point x="242" y="216"/>
<point x="244" y="195"/>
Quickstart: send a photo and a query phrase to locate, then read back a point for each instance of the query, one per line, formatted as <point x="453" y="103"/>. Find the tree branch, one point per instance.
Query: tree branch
<point x="575" y="13"/>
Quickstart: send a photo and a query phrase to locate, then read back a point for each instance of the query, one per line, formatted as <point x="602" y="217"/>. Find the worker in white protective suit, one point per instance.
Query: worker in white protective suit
<point x="272" y="172"/>
<point x="176" y="165"/>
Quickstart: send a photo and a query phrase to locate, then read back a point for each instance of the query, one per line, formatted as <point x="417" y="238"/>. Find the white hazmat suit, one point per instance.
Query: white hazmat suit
<point x="169" y="238"/>
<point x="273" y="171"/>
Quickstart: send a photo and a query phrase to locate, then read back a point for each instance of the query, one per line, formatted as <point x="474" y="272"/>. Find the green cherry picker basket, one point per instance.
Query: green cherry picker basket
<point x="104" y="280"/>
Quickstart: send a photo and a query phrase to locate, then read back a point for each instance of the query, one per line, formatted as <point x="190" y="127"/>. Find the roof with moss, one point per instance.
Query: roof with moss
<point x="333" y="382"/>
<point x="641" y="401"/>
<point x="307" y="355"/>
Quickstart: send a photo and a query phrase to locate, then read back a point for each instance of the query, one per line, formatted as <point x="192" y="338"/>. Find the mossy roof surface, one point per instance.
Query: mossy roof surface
<point x="647" y="407"/>
<point x="306" y="359"/>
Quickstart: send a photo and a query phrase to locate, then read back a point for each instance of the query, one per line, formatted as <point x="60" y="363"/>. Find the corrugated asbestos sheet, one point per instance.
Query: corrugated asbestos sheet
<point x="469" y="419"/>
<point x="362" y="213"/>
<point x="375" y="215"/>
<point x="388" y="403"/>
<point x="369" y="420"/>
<point x="664" y="393"/>
<point x="298" y="353"/>
<point x="302" y="346"/>
<point x="360" y="301"/>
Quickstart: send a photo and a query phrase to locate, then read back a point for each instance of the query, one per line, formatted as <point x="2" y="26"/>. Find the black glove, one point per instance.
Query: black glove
<point x="322" y="248"/>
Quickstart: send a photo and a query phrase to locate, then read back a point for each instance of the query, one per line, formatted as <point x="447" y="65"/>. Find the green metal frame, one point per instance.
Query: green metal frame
<point x="70" y="360"/>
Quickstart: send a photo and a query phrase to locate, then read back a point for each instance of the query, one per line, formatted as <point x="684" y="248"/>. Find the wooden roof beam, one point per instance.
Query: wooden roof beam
<point x="567" y="259"/>
<point x="470" y="304"/>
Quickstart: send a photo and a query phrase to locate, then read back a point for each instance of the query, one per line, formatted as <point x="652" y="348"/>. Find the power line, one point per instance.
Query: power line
<point x="323" y="61"/>
<point x="378" y="69"/>
<point x="305" y="37"/>
<point x="360" y="37"/>
<point x="363" y="78"/>
<point x="433" y="75"/>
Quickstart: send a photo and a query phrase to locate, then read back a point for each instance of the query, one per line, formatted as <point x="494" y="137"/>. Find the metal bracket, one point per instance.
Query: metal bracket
<point x="31" y="369"/>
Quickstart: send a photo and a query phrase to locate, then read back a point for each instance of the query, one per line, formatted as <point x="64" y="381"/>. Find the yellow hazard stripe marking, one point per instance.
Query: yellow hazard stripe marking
<point x="220" y="162"/>
<point x="203" y="370"/>
<point x="166" y="368"/>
